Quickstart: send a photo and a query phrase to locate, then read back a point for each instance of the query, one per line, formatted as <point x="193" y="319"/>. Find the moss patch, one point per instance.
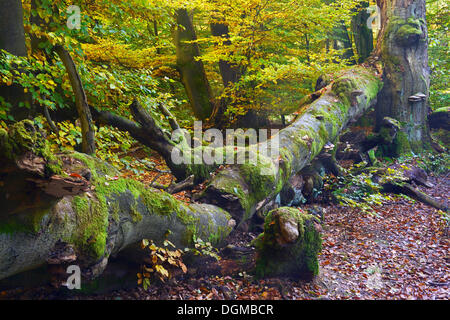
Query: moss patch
<point x="92" y="224"/>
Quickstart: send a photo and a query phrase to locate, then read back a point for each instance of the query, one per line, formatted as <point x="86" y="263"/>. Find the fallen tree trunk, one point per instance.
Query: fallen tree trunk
<point x="245" y="189"/>
<point x="79" y="201"/>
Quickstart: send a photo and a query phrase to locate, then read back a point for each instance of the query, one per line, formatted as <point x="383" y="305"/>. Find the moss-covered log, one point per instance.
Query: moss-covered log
<point x="289" y="244"/>
<point x="80" y="201"/>
<point x="244" y="189"/>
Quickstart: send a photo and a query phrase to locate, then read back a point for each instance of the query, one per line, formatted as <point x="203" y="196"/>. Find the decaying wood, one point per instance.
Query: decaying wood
<point x="59" y="187"/>
<point x="183" y="185"/>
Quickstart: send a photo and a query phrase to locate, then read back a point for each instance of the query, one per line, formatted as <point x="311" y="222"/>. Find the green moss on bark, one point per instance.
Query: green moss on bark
<point x="275" y="257"/>
<point x="92" y="225"/>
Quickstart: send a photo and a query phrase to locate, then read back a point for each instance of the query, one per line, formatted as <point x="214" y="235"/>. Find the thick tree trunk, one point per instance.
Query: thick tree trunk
<point x="362" y="34"/>
<point x="12" y="39"/>
<point x="76" y="200"/>
<point x="12" y="35"/>
<point x="403" y="49"/>
<point x="192" y="71"/>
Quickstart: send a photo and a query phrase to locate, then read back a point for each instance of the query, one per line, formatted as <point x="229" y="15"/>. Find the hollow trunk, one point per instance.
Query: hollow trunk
<point x="403" y="49"/>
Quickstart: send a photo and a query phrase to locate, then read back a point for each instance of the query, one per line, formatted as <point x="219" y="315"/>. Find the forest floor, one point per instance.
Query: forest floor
<point x="400" y="253"/>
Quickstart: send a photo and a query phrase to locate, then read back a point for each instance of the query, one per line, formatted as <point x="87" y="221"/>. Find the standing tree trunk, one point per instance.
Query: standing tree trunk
<point x="192" y="71"/>
<point x="362" y="34"/>
<point x="403" y="49"/>
<point x="229" y="71"/>
<point x="12" y="39"/>
<point x="87" y="127"/>
<point x="341" y="41"/>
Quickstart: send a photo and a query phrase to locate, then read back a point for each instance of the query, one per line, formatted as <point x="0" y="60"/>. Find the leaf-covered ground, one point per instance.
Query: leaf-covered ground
<point x="402" y="253"/>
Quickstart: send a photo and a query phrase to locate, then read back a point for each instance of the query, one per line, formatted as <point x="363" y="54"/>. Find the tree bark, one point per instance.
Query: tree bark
<point x="403" y="49"/>
<point x="192" y="71"/>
